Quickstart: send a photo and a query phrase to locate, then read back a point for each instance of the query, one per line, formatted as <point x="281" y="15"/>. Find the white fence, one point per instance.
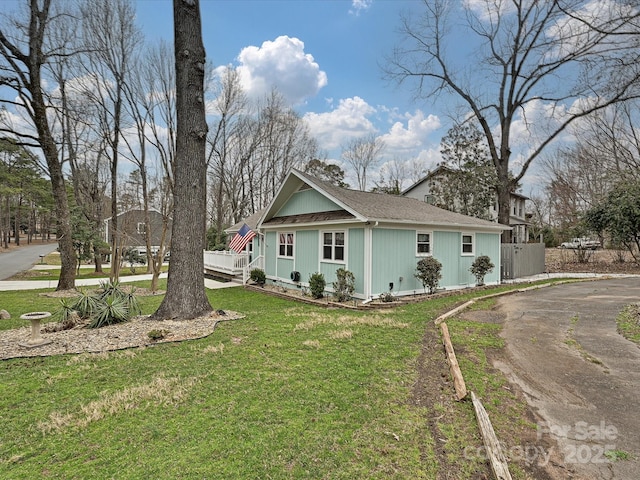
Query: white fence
<point x="256" y="263"/>
<point x="226" y="262"/>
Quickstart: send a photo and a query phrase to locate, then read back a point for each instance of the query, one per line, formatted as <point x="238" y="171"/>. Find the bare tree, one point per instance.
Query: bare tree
<point x="26" y="50"/>
<point x="362" y="154"/>
<point x="229" y="105"/>
<point x="160" y="106"/>
<point x="391" y="177"/>
<point x="569" y="59"/>
<point x="253" y="147"/>
<point x="136" y="103"/>
<point x="186" y="297"/>
<point x="282" y="142"/>
<point x="607" y="152"/>
<point x="74" y="115"/>
<point x="611" y="136"/>
<point x="111" y="38"/>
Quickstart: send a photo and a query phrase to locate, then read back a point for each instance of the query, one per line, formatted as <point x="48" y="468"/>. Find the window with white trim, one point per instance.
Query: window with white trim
<point x="423" y="243"/>
<point x="333" y="246"/>
<point x="467" y="244"/>
<point x="285" y="244"/>
<point x="141" y="228"/>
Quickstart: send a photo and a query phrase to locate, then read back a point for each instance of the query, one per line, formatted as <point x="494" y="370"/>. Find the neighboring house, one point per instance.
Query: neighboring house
<point x="422" y="190"/>
<point x="313" y="226"/>
<point x="132" y="228"/>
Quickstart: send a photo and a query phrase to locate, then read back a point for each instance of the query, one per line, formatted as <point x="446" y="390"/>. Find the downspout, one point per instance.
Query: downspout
<point x="368" y="242"/>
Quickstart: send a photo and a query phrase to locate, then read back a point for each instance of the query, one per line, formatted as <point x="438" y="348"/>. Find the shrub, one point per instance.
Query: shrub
<point x="111" y="305"/>
<point x="480" y="267"/>
<point x="317" y="284"/>
<point x="258" y="276"/>
<point x="155" y="335"/>
<point x="428" y="272"/>
<point x="344" y="286"/>
<point x="387" y="297"/>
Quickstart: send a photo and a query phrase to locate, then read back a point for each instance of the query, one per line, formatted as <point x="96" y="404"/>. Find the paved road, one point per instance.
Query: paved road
<point x="23" y="258"/>
<point x="582" y="377"/>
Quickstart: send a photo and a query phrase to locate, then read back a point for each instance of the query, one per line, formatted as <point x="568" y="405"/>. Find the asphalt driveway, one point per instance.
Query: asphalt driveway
<point x="578" y="373"/>
<point x="23" y="258"/>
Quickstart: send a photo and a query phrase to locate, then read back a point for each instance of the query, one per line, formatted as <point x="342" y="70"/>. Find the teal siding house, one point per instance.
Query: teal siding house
<point x="314" y="226"/>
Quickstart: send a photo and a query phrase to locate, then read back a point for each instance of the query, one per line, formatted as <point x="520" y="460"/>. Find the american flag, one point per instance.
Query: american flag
<point x="240" y="239"/>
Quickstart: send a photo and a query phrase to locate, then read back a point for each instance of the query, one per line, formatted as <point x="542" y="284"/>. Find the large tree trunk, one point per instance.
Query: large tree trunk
<point x="50" y="151"/>
<point x="186" y="297"/>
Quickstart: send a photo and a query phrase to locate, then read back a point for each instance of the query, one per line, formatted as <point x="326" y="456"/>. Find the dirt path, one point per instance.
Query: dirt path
<point x="576" y="371"/>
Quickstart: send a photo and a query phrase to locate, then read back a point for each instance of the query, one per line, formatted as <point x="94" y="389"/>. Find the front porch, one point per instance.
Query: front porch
<point x="230" y="264"/>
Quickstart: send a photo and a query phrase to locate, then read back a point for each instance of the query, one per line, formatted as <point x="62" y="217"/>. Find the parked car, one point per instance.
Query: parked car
<point x="583" y="243"/>
<point x="135" y="255"/>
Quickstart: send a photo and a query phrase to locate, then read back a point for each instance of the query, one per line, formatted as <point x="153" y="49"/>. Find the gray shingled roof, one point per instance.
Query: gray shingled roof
<point x="392" y="208"/>
<point x="251" y="221"/>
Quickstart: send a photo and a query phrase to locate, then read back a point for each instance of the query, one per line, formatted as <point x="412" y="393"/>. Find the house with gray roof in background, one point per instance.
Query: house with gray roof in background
<point x="314" y="226"/>
<point x="424" y="189"/>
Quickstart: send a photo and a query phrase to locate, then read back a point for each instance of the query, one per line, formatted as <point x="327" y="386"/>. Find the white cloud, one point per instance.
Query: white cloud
<point x="414" y="134"/>
<point x="359" y="6"/>
<point x="283" y="64"/>
<point x="349" y="120"/>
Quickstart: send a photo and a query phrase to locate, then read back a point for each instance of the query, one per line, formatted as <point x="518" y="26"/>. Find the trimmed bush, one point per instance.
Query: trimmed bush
<point x="480" y="267"/>
<point x="428" y="272"/>
<point x="317" y="285"/>
<point x="258" y="276"/>
<point x="344" y="286"/>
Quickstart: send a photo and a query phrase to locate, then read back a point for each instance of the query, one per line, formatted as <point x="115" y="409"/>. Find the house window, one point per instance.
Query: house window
<point x="467" y="244"/>
<point x="333" y="246"/>
<point x="285" y="244"/>
<point x="142" y="228"/>
<point x="423" y="244"/>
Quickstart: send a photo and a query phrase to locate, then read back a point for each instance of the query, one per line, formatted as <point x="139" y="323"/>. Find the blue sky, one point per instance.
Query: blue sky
<point x="325" y="56"/>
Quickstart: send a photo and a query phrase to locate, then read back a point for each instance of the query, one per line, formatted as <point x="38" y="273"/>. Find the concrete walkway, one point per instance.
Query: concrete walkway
<point x="8" y="285"/>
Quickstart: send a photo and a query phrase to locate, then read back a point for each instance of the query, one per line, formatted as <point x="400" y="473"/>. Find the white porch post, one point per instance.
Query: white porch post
<point x="368" y="248"/>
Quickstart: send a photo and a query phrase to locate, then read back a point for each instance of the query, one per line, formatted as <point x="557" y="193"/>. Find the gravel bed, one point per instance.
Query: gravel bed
<point x="134" y="333"/>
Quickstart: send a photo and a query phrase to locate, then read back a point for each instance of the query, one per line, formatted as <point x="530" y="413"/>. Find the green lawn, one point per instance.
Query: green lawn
<point x="289" y="391"/>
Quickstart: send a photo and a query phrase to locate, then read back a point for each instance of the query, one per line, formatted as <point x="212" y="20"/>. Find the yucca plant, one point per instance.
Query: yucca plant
<point x="110" y="311"/>
<point x="67" y="307"/>
<point x="85" y="304"/>
<point x="110" y="289"/>
<point x="132" y="302"/>
<point x="114" y="305"/>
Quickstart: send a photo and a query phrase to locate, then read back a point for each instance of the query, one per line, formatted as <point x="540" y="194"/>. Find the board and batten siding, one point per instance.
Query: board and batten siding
<point x="355" y="256"/>
<point x="489" y="244"/>
<point x="393" y="255"/>
<point x="306" y="253"/>
<point x="270" y="253"/>
<point x="284" y="267"/>
<point x="447" y="250"/>
<point x="307" y="201"/>
<point x="455" y="266"/>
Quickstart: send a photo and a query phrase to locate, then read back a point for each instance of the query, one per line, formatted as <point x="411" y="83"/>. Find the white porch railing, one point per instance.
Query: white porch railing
<point x="226" y="261"/>
<point x="257" y="262"/>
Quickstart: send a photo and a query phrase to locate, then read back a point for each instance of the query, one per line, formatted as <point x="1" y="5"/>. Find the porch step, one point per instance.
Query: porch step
<point x="222" y="276"/>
